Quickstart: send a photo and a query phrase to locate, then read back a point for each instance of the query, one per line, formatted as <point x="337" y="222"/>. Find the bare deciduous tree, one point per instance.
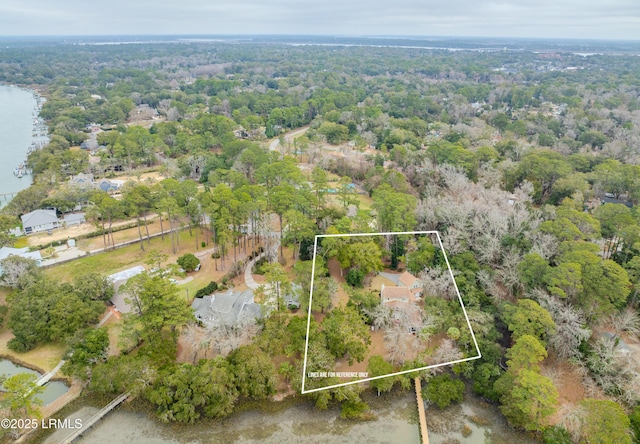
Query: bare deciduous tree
<point x="438" y="282"/>
<point x="220" y="338"/>
<point x="570" y="324"/>
<point x="380" y="316"/>
<point x="447" y="352"/>
<point x="626" y="321"/>
<point x="16" y="270"/>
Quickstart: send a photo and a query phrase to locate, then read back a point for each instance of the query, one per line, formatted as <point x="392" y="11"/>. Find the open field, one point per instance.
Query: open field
<point x="121" y="258"/>
<point x="42" y="238"/>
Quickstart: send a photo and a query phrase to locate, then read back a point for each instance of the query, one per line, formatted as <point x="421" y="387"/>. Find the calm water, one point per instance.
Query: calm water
<point x="17" y="107"/>
<point x="472" y="422"/>
<point x="301" y="423"/>
<point x="53" y="389"/>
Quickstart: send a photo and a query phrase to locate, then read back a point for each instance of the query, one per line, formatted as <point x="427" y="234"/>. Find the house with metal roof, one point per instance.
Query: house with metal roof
<point x="82" y="181"/>
<point x="5" y="252"/>
<point x="118" y="279"/>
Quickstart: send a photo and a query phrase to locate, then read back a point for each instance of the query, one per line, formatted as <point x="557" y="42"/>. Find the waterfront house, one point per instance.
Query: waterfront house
<point x="82" y="180"/>
<point x="119" y="279"/>
<point x="39" y="220"/>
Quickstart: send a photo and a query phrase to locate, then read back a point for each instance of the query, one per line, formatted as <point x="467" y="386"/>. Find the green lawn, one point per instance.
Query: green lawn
<point x="121" y="258"/>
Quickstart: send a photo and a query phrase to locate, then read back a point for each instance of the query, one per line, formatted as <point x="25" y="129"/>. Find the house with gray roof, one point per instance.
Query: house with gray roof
<point x="81" y="178"/>
<point x="118" y="279"/>
<point x="82" y="181"/>
<point x="39" y="220"/>
<point x="107" y="185"/>
<point x="5" y="252"/>
<point x="609" y="198"/>
<point x="73" y="219"/>
<point x="226" y="308"/>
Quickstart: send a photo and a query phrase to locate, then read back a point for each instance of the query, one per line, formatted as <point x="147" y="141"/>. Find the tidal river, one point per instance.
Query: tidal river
<point x="19" y="129"/>
<point x="472" y="422"/>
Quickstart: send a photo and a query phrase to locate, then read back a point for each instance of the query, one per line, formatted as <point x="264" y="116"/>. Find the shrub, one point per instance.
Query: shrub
<point x="259" y="266"/>
<point x="19" y="346"/>
<point x="355" y="278"/>
<point x="556" y="435"/>
<point x="203" y="244"/>
<point x="205" y="291"/>
<point x="442" y="390"/>
<point x="354" y="410"/>
<point x="188" y="262"/>
<point x="453" y="333"/>
<point x="635" y="422"/>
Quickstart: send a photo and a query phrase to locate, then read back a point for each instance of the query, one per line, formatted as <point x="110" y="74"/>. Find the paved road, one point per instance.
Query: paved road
<point x="248" y="276"/>
<point x="273" y="146"/>
<point x="393" y="277"/>
<point x="63" y="254"/>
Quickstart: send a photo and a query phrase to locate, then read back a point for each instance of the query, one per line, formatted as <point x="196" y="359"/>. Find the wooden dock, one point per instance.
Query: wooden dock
<point x="95" y="418"/>
<point x="424" y="432"/>
<point x="7" y="196"/>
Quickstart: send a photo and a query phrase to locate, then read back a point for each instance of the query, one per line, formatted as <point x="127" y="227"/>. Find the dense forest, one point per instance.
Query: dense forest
<point x="527" y="162"/>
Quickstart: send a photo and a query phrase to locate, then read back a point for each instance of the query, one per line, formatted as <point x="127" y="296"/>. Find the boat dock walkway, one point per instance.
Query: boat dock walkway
<point x="424" y="432"/>
<point x="7" y="196"/>
<point x="95" y="418"/>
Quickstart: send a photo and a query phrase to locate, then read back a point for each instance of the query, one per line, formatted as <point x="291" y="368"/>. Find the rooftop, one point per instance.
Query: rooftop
<point x="5" y="252"/>
<point x="126" y="274"/>
<point x="226" y="308"/>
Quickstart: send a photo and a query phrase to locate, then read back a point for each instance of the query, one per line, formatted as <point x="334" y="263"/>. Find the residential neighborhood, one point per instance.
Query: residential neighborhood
<point x="346" y="237"/>
<point x="404" y="312"/>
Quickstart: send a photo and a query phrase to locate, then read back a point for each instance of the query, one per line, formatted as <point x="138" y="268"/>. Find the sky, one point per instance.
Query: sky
<point x="583" y="19"/>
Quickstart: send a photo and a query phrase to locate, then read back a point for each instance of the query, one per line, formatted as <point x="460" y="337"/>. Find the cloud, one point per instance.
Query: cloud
<point x="526" y="18"/>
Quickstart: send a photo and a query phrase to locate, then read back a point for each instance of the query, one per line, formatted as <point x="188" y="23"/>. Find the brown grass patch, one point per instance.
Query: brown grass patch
<point x="43" y="358"/>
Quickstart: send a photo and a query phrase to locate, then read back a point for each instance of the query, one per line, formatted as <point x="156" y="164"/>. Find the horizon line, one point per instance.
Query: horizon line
<point x="288" y="35"/>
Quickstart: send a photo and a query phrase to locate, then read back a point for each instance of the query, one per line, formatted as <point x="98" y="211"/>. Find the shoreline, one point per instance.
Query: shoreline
<point x="24" y="136"/>
<point x="266" y="407"/>
<point x="67" y="380"/>
<point x="22" y="363"/>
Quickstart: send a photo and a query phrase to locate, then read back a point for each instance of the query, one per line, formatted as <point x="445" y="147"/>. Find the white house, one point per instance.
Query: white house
<point x="39" y="220"/>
